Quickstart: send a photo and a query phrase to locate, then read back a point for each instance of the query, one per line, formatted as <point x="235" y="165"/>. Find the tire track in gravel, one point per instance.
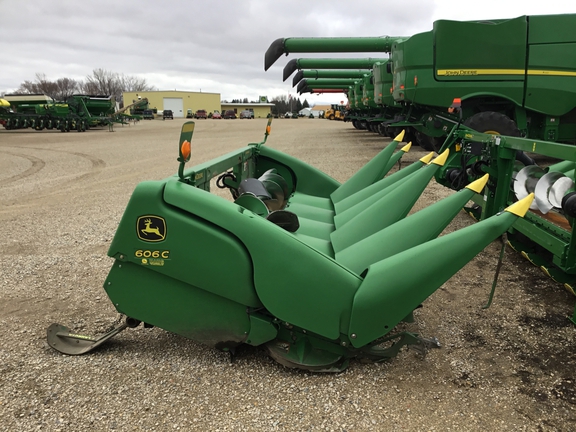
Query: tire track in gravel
<point x="97" y="167"/>
<point x="25" y="203"/>
<point x="97" y="164"/>
<point x="37" y="165"/>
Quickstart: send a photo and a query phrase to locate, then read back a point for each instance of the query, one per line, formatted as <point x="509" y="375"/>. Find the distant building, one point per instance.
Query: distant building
<point x="182" y="101"/>
<point x="261" y="110"/>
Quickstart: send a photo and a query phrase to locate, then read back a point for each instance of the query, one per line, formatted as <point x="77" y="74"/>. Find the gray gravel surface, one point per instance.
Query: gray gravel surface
<point x="509" y="367"/>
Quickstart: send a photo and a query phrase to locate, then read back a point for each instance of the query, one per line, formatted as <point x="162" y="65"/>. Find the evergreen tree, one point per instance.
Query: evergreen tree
<point x="299" y="105"/>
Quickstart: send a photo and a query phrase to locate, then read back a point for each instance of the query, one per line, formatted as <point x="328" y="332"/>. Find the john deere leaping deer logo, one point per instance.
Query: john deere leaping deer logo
<point x="151" y="228"/>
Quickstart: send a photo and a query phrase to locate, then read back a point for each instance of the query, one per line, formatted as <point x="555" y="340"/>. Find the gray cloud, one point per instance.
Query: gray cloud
<point x="216" y="46"/>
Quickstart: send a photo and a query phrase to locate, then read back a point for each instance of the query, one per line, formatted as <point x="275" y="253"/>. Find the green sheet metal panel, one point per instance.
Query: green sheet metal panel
<point x="382" y="84"/>
<point x="356" y="99"/>
<point x="544" y="29"/>
<point x="176" y="306"/>
<point x="392" y="289"/>
<point x="480" y="51"/>
<point x="551" y="81"/>
<point x="294" y="281"/>
<point x="368" y="91"/>
<point x="183" y="247"/>
<point x="421" y="78"/>
<point x="412" y="58"/>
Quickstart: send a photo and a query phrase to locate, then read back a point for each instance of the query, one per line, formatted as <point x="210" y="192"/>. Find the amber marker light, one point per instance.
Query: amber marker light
<point x="185" y="150"/>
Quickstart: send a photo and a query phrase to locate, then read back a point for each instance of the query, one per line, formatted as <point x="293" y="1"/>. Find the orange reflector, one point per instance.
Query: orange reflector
<point x="401" y="86"/>
<point x="268" y="130"/>
<point x="415" y="80"/>
<point x="456" y="103"/>
<point x="185" y="150"/>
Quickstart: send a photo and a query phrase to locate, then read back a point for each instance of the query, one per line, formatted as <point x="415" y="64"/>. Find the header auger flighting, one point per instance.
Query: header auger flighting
<point x="347" y="275"/>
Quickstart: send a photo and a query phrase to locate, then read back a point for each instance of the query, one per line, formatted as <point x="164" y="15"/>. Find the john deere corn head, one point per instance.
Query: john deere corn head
<point x="316" y="271"/>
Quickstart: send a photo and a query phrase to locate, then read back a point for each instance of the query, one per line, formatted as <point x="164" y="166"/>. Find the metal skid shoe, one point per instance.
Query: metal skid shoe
<point x="62" y="339"/>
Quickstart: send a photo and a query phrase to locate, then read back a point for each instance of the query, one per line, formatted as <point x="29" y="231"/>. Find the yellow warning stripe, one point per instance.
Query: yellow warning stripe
<point x="548" y="72"/>
<point x="476" y="72"/>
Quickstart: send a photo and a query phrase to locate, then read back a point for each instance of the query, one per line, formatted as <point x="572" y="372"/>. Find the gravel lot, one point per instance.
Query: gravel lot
<point x="509" y="367"/>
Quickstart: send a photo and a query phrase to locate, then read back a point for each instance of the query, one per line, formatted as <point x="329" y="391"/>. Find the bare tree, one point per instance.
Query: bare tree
<point x="59" y="90"/>
<point x="101" y="82"/>
<point x="134" y="84"/>
<point x="66" y="87"/>
<point x="40" y="86"/>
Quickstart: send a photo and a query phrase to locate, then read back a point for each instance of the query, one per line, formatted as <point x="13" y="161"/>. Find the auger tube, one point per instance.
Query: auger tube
<point x="320" y="74"/>
<point x="311" y="45"/>
<point x="329" y="63"/>
<point x="322" y="88"/>
<point x="345" y="82"/>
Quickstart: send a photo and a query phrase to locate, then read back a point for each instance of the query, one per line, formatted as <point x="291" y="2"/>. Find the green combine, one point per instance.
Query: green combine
<point x="516" y="67"/>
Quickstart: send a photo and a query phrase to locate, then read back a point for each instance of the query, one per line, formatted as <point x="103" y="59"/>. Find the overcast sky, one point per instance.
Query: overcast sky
<point x="210" y="45"/>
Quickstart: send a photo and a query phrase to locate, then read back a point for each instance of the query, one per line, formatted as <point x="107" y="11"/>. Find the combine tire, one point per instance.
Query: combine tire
<point x="495" y="123"/>
<point x="427" y="142"/>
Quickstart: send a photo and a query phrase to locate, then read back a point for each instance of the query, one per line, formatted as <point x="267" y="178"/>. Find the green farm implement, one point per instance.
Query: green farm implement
<point x="315" y="271"/>
<point x="39" y="112"/>
<point x="545" y="235"/>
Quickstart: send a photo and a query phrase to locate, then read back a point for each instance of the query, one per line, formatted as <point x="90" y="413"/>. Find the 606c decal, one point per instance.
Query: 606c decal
<point x="145" y="253"/>
<point x="152" y="257"/>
